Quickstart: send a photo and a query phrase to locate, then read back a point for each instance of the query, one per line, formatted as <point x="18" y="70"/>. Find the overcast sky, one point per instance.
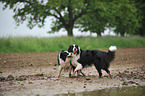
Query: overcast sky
<point x="9" y="28"/>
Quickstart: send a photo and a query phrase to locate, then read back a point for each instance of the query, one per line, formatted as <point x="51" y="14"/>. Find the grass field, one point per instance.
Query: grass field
<point x="33" y="44"/>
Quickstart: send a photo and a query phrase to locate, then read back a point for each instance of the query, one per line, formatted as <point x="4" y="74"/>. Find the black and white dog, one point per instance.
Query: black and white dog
<point x="100" y="59"/>
<point x="64" y="58"/>
<point x="64" y="62"/>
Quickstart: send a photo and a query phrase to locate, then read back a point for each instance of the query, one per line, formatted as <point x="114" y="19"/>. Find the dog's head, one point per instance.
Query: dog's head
<point x="75" y="49"/>
<point x="64" y="55"/>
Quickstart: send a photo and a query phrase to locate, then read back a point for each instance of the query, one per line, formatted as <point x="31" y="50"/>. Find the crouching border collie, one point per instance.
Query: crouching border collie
<point x="64" y="62"/>
<point x="100" y="59"/>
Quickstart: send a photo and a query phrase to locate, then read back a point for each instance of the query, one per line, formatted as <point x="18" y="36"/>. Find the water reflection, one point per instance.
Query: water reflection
<point x="124" y="91"/>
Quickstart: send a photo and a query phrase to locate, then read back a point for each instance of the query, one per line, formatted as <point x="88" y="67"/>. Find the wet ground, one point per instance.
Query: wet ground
<point x="36" y="74"/>
<point x="115" y="91"/>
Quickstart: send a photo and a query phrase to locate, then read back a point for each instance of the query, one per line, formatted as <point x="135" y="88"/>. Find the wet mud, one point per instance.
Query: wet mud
<point x="35" y="74"/>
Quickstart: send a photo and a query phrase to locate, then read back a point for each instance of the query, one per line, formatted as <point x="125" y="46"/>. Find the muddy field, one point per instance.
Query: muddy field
<point x="36" y="74"/>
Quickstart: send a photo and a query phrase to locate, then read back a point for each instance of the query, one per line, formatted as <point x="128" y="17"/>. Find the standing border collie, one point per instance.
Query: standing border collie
<point x="100" y="59"/>
<point x="64" y="58"/>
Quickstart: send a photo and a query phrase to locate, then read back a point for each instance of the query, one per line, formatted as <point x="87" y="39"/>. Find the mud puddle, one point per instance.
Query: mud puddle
<point x="115" y="91"/>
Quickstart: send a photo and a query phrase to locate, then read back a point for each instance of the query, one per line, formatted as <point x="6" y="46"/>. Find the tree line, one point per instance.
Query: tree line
<point x="124" y="16"/>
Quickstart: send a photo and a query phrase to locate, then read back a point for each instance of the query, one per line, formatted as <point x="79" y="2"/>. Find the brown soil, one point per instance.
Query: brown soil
<point x="36" y="73"/>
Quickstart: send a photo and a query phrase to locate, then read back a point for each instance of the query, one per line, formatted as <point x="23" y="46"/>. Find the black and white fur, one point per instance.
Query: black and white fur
<point x="64" y="58"/>
<point x="100" y="59"/>
<point x="64" y="62"/>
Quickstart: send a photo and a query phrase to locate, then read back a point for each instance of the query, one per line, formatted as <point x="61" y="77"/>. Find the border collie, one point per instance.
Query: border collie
<point x="100" y="59"/>
<point x="64" y="58"/>
<point x="64" y="62"/>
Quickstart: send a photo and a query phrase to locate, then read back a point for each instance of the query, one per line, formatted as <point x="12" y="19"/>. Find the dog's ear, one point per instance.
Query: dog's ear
<point x="62" y="50"/>
<point x="78" y="51"/>
<point x="63" y="55"/>
<point x="76" y="46"/>
<point x="70" y="49"/>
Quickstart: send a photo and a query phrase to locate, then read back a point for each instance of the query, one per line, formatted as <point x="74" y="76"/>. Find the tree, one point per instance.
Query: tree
<point x="120" y="14"/>
<point x="95" y="22"/>
<point x="88" y="15"/>
<point x="65" y="12"/>
<point x="126" y="20"/>
<point x="140" y="5"/>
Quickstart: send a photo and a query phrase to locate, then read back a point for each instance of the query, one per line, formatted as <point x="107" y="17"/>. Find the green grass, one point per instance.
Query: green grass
<point x="33" y="44"/>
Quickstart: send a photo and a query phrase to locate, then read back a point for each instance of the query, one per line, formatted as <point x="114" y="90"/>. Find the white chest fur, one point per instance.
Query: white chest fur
<point x="75" y="59"/>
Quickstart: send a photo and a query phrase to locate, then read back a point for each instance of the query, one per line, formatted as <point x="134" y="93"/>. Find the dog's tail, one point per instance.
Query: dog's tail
<point x="111" y="54"/>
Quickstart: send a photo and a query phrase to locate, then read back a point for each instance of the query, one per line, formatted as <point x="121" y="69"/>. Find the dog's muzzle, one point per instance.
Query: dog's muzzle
<point x="74" y="51"/>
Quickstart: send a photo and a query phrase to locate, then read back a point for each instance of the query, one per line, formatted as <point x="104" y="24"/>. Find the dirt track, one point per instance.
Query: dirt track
<point x="36" y="73"/>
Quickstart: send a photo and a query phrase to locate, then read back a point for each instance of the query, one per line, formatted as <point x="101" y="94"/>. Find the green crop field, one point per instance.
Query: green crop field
<point x="33" y="44"/>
